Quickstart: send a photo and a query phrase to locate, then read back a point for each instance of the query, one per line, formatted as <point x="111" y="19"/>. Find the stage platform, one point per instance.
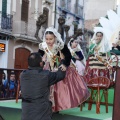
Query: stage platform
<point x="10" y="110"/>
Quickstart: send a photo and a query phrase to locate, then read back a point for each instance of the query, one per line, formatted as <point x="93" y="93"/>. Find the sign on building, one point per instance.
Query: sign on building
<point x="2" y="47"/>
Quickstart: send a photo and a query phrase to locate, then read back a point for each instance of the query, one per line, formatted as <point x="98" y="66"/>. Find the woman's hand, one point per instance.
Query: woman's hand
<point x="76" y="57"/>
<point x="61" y="55"/>
<point x="62" y="67"/>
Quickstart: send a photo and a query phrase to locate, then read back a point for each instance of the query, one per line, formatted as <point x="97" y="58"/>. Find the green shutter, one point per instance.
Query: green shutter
<point x="4" y="7"/>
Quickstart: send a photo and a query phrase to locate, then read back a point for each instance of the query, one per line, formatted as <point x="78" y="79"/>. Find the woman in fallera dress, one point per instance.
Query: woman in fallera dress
<point x="78" y="58"/>
<point x="99" y="54"/>
<point x="71" y="91"/>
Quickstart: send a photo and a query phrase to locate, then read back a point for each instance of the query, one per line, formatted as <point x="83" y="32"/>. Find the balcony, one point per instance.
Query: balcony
<point x="25" y="31"/>
<point x="6" y="22"/>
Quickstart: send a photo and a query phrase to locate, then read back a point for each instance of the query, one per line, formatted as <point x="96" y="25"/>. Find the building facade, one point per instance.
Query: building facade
<point x="72" y="12"/>
<point x="17" y="30"/>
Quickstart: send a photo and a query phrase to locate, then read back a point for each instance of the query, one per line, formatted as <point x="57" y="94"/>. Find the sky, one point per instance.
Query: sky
<point x="118" y="2"/>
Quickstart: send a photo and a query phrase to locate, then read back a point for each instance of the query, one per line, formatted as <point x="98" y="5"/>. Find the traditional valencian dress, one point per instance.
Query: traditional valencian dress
<point x="98" y="56"/>
<point x="79" y="64"/>
<point x="71" y="91"/>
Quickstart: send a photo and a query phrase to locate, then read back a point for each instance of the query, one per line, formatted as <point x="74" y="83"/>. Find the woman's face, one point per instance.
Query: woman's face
<point x="50" y="39"/>
<point x="74" y="44"/>
<point x="99" y="37"/>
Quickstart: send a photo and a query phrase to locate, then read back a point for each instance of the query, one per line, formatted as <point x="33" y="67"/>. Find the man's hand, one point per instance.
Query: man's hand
<point x="62" y="67"/>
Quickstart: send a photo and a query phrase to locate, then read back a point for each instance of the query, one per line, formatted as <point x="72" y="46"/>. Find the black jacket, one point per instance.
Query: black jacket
<point x="35" y="88"/>
<point x="80" y="55"/>
<point x="118" y="47"/>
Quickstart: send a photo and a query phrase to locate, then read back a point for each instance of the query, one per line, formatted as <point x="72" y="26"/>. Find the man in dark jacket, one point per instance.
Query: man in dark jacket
<point x="35" y="89"/>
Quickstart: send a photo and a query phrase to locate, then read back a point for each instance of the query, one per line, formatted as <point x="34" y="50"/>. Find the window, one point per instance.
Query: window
<point x="63" y="3"/>
<point x="78" y="8"/>
<point x="69" y="5"/>
<point x="24" y="10"/>
<point x="66" y="4"/>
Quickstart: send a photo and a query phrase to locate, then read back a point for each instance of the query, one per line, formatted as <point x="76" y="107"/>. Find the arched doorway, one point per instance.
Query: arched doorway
<point x="21" y="56"/>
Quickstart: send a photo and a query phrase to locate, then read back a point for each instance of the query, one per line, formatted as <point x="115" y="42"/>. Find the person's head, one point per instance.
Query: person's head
<point x="50" y="38"/>
<point x="35" y="60"/>
<point x="12" y="76"/>
<point x="99" y="36"/>
<point x="73" y="43"/>
<point x="3" y="76"/>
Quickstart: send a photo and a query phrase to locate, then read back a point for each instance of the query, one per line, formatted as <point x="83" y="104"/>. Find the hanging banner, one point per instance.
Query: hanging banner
<point x="2" y="47"/>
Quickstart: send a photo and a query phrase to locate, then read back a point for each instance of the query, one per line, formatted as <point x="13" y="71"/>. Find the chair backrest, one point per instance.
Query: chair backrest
<point x="99" y="81"/>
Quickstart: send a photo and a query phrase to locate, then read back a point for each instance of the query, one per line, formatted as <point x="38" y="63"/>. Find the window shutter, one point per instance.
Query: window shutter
<point x="4" y="7"/>
<point x="24" y="10"/>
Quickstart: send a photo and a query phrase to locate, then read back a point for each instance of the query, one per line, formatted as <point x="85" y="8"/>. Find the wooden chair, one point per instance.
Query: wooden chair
<point x="96" y="85"/>
<point x="94" y="80"/>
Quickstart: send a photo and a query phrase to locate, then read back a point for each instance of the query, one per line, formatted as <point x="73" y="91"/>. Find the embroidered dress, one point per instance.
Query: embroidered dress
<point x="79" y="63"/>
<point x="98" y="54"/>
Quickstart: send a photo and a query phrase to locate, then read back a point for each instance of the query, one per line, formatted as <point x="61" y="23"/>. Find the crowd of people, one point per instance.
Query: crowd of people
<point x="8" y="86"/>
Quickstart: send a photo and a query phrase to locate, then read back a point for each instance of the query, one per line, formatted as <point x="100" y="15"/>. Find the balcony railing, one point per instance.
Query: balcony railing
<point x="6" y="22"/>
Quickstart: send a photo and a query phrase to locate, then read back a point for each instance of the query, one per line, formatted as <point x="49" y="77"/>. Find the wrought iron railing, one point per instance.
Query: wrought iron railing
<point x="6" y="21"/>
